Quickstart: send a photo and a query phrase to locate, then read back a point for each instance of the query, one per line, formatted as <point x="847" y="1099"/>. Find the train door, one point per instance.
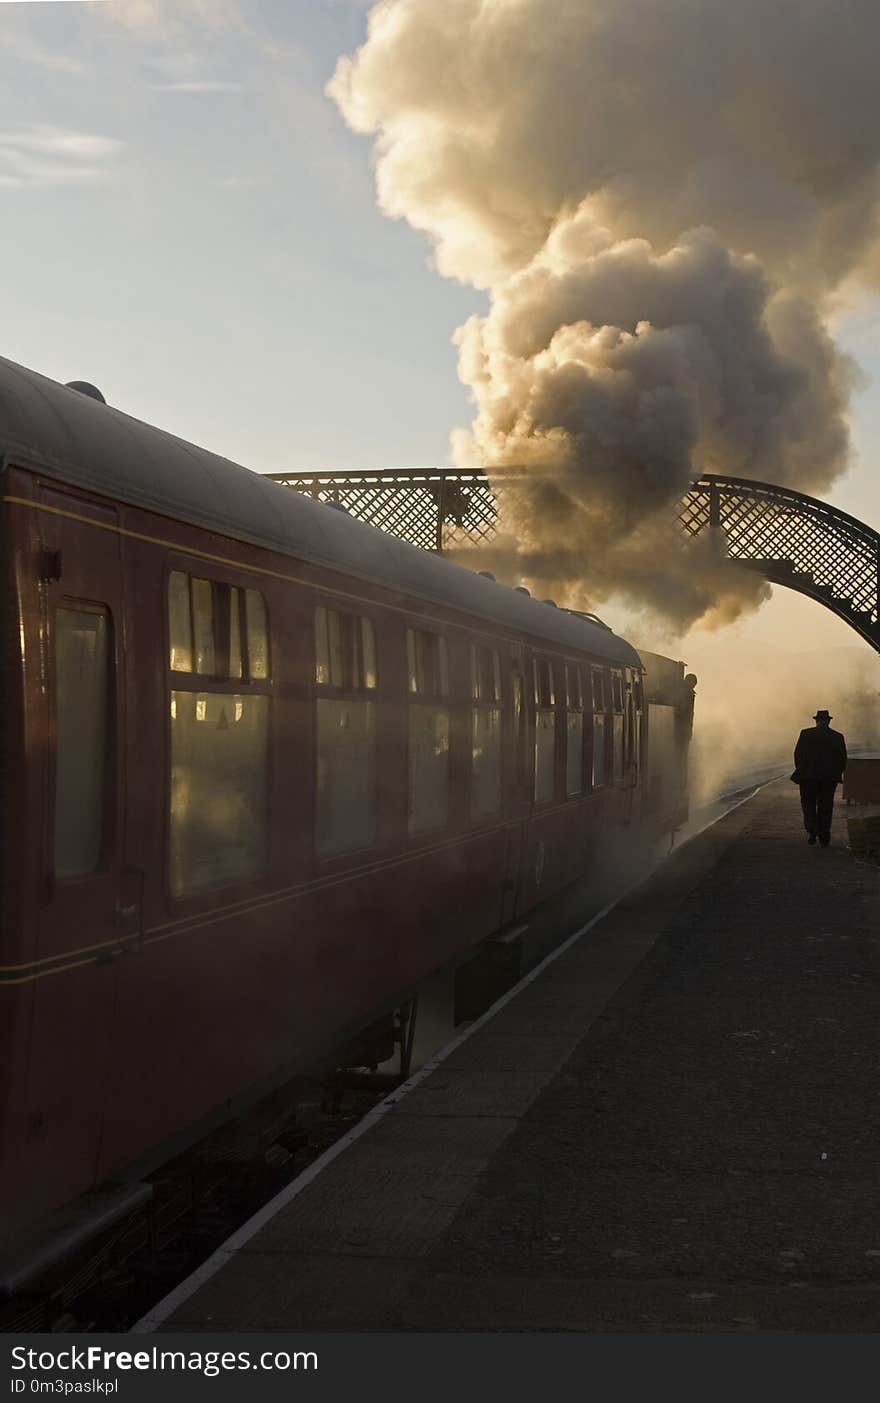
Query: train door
<point x="631" y="731"/>
<point x="520" y="752"/>
<point x="83" y="912"/>
<point x="618" y="765"/>
<point x="638" y="727"/>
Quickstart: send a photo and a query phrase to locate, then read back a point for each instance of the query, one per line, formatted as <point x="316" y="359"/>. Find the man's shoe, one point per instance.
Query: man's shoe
<point x="824" y="842"/>
<point x="811" y="840"/>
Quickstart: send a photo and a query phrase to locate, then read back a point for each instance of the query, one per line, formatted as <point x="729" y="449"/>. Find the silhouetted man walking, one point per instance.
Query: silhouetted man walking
<point x="819" y="763"/>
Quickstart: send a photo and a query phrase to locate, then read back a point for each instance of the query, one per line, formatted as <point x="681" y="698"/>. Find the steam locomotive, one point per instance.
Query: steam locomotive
<point x="265" y="768"/>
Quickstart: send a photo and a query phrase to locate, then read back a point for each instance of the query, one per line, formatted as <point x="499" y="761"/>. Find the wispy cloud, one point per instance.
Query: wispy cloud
<point x="207" y="85"/>
<point x="39" y="155"/>
<point x="206" y="47"/>
<point x="185" y="71"/>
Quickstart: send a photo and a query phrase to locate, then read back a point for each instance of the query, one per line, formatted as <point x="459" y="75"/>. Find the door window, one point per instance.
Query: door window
<point x="82" y="676"/>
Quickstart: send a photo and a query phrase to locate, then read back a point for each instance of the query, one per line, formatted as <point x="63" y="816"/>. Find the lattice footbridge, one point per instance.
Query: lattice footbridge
<point x="794" y="540"/>
<point x="789" y="538"/>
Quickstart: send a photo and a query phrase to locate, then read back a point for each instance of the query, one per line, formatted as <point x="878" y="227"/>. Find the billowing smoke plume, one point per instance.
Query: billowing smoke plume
<point x="661" y="200"/>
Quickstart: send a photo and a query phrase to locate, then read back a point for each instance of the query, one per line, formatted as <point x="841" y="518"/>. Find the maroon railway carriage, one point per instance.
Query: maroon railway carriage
<point x="265" y="768"/>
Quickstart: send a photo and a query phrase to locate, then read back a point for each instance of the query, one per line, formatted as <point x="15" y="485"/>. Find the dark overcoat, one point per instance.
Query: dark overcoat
<point x="820" y="754"/>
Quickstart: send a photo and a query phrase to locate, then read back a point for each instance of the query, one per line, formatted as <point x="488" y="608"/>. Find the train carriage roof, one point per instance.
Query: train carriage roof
<point x="79" y="440"/>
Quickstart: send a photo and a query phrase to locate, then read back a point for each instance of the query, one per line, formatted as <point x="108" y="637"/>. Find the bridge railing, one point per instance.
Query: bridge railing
<point x="434" y="508"/>
<point x="790" y="538"/>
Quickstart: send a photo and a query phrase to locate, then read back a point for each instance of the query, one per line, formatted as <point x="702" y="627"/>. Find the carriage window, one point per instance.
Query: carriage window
<point x="322" y="648"/>
<point x="427" y="665"/>
<point x="428" y="731"/>
<point x="368" y="653"/>
<point x="545" y="731"/>
<point x="598" y="690"/>
<point x="219" y="740"/>
<point x="337" y="635"/>
<point x="345" y="660"/>
<point x="345" y="650"/>
<point x="520" y="727"/>
<point x="82" y="675"/>
<point x="574" y="752"/>
<point x="485" y="674"/>
<point x="544" y="695"/>
<point x="179" y="622"/>
<point x="257" y="634"/>
<point x="235" y="654"/>
<point x="218" y="788"/>
<point x="203" y="626"/>
<point x="216" y="629"/>
<point x="599" y="709"/>
<point x="485" y="732"/>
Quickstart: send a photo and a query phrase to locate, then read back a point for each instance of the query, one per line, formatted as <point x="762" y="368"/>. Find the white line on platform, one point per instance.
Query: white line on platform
<point x="160" y="1312"/>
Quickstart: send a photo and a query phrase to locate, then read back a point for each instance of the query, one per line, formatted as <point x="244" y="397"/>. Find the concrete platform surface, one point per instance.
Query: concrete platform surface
<point x="675" y="1126"/>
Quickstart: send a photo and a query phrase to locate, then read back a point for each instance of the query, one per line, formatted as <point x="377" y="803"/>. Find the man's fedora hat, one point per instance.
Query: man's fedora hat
<point x="823" y="716"/>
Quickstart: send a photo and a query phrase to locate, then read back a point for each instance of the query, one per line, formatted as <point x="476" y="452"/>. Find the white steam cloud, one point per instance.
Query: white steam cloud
<point x="661" y="200"/>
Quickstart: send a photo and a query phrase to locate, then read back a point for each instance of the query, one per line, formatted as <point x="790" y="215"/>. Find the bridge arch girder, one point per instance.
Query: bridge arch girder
<point x="794" y="540"/>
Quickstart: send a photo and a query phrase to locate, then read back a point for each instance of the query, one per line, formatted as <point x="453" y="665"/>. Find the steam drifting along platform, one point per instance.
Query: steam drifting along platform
<point x="673" y="1126"/>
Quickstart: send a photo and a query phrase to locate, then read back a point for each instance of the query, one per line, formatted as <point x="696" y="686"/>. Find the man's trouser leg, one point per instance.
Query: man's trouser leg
<point x="808" y="804"/>
<point x="824" y="808"/>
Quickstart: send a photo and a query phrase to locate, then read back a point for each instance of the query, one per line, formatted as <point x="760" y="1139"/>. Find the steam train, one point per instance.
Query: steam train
<point x="265" y="768"/>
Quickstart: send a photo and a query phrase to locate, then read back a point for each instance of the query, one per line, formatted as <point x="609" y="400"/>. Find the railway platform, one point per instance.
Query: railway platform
<point x="673" y="1125"/>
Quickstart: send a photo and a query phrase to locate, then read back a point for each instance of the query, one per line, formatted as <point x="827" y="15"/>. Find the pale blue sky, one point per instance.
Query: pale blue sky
<point x="223" y="271"/>
<point x="188" y="223"/>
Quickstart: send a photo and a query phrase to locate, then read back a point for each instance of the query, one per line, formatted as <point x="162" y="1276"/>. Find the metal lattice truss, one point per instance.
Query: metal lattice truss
<point x="789" y="538"/>
<point x="794" y="540"/>
<point x="435" y="508"/>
